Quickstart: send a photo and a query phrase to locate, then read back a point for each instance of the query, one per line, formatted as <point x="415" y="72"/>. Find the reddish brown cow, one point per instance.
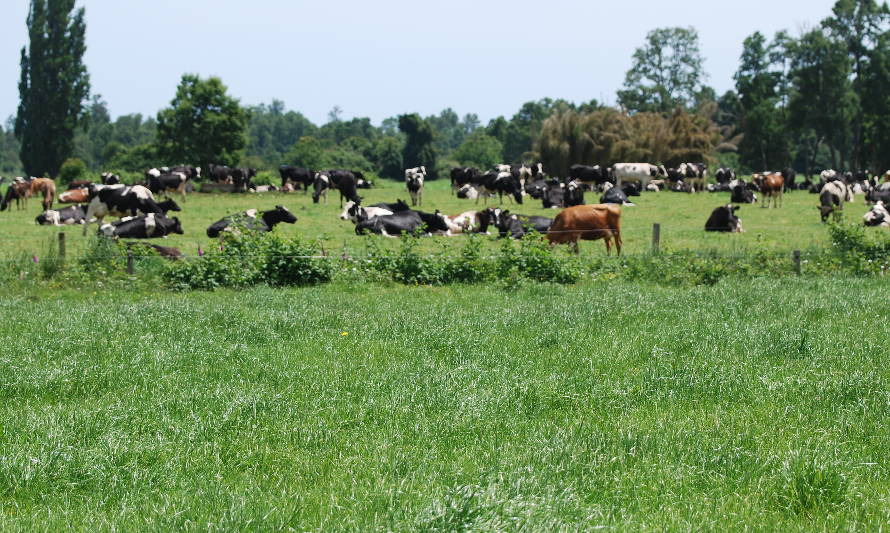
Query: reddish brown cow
<point x="772" y="186"/>
<point x="19" y="191"/>
<point x="74" y="196"/>
<point x="589" y="223"/>
<point x="47" y="188"/>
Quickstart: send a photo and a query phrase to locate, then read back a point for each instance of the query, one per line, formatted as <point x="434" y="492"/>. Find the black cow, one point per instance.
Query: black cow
<point x="463" y="176"/>
<point x="342" y="180"/>
<point x="789" y="175"/>
<point x="631" y="188"/>
<point x="120" y="201"/>
<point x="74" y="214"/>
<point x="296" y="176"/>
<point x="536" y="188"/>
<point x="574" y="193"/>
<point x="615" y="196"/>
<point x="191" y="173"/>
<point x="241" y="178"/>
<point x="554" y="196"/>
<point x="874" y="196"/>
<point x="107" y="178"/>
<point x="723" y="218"/>
<point x="595" y="174"/>
<point x="411" y="222"/>
<point x="518" y="226"/>
<point x="742" y="195"/>
<point x="219" y="173"/>
<point x="253" y="219"/>
<point x="142" y="227"/>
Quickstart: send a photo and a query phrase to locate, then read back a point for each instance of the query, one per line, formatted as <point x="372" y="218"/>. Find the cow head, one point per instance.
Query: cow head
<point x="278" y="215"/>
<point x="631" y="189"/>
<point x="349" y="211"/>
<point x="176" y="227"/>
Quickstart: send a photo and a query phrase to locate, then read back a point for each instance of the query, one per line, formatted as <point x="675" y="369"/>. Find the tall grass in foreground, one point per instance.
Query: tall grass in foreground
<point x="759" y="405"/>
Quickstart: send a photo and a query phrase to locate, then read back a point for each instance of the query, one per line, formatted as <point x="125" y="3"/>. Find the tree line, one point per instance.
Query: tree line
<point x="811" y="101"/>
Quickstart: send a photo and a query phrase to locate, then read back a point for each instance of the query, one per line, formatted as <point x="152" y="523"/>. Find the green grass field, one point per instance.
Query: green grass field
<point x="752" y="405"/>
<point x="682" y="216"/>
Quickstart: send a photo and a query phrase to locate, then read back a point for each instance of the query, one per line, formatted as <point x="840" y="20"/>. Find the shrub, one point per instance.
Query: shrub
<point x="858" y="251"/>
<point x="73" y="169"/>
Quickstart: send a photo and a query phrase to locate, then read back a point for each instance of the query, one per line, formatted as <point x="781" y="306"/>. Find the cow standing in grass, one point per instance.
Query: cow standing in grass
<point x="414" y="178"/>
<point x="589" y="223"/>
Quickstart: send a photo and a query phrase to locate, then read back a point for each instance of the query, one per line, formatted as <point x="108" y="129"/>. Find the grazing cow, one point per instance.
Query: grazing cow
<point x="772" y="186"/>
<point x="168" y="183"/>
<point x="19" y="190"/>
<point x="641" y="172"/>
<point x="352" y="211"/>
<point x="119" y="201"/>
<point x="501" y="183"/>
<point x="587" y="222"/>
<point x="410" y="222"/>
<point x="342" y="180"/>
<point x="723" y="218"/>
<point x="414" y="178"/>
<point x="587" y="174"/>
<point x="73" y="214"/>
<point x="615" y="195"/>
<point x="296" y="176"/>
<point x="518" y="226"/>
<point x="574" y="194"/>
<point x="47" y="188"/>
<point x="742" y="195"/>
<point x="74" y="196"/>
<point x="724" y="175"/>
<point x="832" y="198"/>
<point x="877" y="216"/>
<point x="252" y="219"/>
<point x="142" y="227"/>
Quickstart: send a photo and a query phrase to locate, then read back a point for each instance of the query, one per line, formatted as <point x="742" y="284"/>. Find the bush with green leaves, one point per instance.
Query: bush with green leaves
<point x="859" y="251"/>
<point x="245" y="258"/>
<point x="73" y="169"/>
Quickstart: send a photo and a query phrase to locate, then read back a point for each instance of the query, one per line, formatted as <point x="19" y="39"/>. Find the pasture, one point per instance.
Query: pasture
<point x="682" y="216"/>
<point x="750" y="405"/>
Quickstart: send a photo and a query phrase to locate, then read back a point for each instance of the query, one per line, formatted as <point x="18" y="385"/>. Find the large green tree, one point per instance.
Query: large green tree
<point x="203" y="124"/>
<point x="765" y="143"/>
<point x="857" y="25"/>
<point x="418" y="150"/>
<point x="479" y="150"/>
<point x="667" y="72"/>
<point x="53" y="86"/>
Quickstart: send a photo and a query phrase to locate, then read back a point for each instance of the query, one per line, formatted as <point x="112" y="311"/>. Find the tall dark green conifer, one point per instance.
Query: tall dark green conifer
<point x="53" y="87"/>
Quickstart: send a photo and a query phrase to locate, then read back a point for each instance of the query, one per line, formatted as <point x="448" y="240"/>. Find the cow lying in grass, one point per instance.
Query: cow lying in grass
<point x="252" y="219"/>
<point x="74" y="214"/>
<point x="148" y="226"/>
<point x="878" y="216"/>
<point x="723" y="219"/>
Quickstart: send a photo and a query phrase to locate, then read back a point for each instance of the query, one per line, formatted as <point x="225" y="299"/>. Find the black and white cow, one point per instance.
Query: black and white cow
<point x="410" y="222"/>
<point x="414" y="178"/>
<point x="638" y="172"/>
<point x="501" y="183"/>
<point x="615" y="195"/>
<point x="554" y="196"/>
<point x="723" y="218"/>
<point x="74" y="214"/>
<point x="252" y="219"/>
<point x="147" y="226"/>
<point x="877" y="216"/>
<point x="518" y="226"/>
<point x="467" y="192"/>
<point x="121" y="201"/>
<point x="296" y="176"/>
<point x="175" y="182"/>
<point x="353" y="211"/>
<point x="109" y="178"/>
<point x="724" y="175"/>
<point x="742" y="195"/>
<point x="219" y="173"/>
<point x="461" y="176"/>
<point x="395" y="207"/>
<point x="874" y="196"/>
<point x="586" y="174"/>
<point x="241" y="178"/>
<point x="574" y="193"/>
<point x="342" y="180"/>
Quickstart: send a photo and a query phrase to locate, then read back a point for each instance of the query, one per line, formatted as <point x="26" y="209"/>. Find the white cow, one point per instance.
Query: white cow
<point x="639" y="172"/>
<point x="878" y="216"/>
<point x="353" y="212"/>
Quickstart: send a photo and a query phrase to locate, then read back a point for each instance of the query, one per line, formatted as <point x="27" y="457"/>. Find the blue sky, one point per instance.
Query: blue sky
<point x="380" y="59"/>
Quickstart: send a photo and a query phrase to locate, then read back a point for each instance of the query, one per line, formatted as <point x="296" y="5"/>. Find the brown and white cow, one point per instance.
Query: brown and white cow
<point x="589" y="223"/>
<point x="772" y="186"/>
<point x="75" y="196"/>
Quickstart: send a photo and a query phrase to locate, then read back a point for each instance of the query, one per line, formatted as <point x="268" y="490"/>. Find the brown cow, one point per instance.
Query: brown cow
<point x="587" y="222"/>
<point x="19" y="190"/>
<point x="47" y="187"/>
<point x="772" y="186"/>
<point x="75" y="196"/>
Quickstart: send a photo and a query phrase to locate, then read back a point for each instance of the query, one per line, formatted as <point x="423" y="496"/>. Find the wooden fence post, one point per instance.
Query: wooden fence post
<point x="62" y="246"/>
<point x="656" y="237"/>
<point x="796" y="257"/>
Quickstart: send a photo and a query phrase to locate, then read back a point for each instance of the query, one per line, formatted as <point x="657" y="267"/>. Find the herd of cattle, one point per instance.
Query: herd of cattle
<point x="141" y="215"/>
